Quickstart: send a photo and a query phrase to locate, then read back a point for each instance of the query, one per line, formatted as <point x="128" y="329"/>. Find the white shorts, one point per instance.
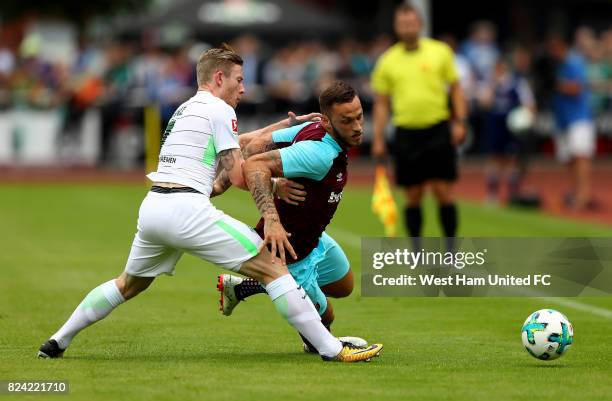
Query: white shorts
<point x="171" y="224"/>
<point x="578" y="140"/>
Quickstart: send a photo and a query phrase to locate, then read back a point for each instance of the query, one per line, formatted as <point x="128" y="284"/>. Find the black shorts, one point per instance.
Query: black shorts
<point x="424" y="154"/>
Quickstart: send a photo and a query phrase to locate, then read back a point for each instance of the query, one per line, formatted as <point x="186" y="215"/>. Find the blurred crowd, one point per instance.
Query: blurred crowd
<point x="122" y="75"/>
<point x="478" y="55"/>
<point x="290" y="75"/>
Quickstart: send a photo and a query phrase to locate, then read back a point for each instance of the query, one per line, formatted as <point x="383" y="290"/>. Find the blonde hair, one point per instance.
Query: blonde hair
<point x="218" y="58"/>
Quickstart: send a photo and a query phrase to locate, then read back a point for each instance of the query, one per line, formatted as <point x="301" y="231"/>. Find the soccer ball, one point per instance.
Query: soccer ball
<point x="547" y="334"/>
<point x="519" y="120"/>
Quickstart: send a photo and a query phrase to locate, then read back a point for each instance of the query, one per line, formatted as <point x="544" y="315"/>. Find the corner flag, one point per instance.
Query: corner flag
<point x="383" y="204"/>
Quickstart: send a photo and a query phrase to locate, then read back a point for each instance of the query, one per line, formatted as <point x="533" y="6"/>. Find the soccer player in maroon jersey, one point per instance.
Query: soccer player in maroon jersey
<point x="314" y="156"/>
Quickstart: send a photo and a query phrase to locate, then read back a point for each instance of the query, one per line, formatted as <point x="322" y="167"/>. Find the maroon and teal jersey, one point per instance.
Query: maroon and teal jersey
<point x="311" y="157"/>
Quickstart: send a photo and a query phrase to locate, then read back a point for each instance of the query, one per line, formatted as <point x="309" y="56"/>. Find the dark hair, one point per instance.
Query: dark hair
<point x="337" y="93"/>
<point x="211" y="60"/>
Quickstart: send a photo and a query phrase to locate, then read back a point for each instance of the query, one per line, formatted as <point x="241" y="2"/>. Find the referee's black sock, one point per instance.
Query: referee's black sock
<point x="414" y="220"/>
<point x="448" y="219"/>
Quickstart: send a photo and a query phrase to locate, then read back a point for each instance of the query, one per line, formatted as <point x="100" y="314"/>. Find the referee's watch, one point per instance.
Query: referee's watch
<point x="463" y="121"/>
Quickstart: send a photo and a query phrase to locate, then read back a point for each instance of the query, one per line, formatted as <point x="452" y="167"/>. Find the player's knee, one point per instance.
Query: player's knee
<point x="414" y="195"/>
<point x="343" y="292"/>
<point x="130" y="286"/>
<point x="262" y="269"/>
<point x="341" y="288"/>
<point x="443" y="193"/>
<point x="348" y="284"/>
<point x="120" y="283"/>
<point x="346" y="291"/>
<point x="443" y="199"/>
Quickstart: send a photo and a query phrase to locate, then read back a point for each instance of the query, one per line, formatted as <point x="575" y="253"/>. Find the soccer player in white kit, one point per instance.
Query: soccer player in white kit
<point x="200" y="158"/>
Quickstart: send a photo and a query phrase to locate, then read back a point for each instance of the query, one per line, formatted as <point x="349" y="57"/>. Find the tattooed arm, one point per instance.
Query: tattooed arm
<point x="260" y="141"/>
<point x="230" y="173"/>
<point x="289" y="191"/>
<point x="258" y="171"/>
<point x="221" y="184"/>
<point x="257" y="145"/>
<point x="256" y="141"/>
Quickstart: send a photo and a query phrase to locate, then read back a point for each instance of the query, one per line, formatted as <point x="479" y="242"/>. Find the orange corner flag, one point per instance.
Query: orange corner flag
<point x="383" y="204"/>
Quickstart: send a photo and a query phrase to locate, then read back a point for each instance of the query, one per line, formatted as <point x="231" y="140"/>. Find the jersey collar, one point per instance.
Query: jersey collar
<point x="205" y="93"/>
<point x="330" y="139"/>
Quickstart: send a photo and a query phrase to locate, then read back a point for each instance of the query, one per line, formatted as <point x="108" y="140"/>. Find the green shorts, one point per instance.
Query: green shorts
<point x="326" y="264"/>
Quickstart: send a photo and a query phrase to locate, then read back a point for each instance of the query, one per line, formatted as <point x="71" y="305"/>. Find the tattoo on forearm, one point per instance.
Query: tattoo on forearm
<point x="226" y="159"/>
<point x="261" y="188"/>
<point x="276" y="164"/>
<point x="255" y="149"/>
<point x="258" y="176"/>
<point x="221" y="184"/>
<point x="268" y="147"/>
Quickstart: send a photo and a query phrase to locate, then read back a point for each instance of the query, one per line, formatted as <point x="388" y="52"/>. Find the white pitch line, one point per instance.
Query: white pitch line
<point x="592" y="309"/>
<point x="349" y="238"/>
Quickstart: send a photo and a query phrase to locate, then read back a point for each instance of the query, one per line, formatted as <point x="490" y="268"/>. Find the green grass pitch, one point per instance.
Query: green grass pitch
<point x="171" y="342"/>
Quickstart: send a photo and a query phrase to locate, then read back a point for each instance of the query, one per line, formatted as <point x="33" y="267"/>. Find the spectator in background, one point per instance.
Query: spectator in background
<point x="347" y="49"/>
<point x="86" y="75"/>
<point x="575" y="138"/>
<point x="378" y="46"/>
<point x="508" y="92"/>
<point x="590" y="49"/>
<point x="606" y="46"/>
<point x="149" y="66"/>
<point x="584" y="39"/>
<point x="7" y="67"/>
<point x="118" y="81"/>
<point x="414" y="81"/>
<point x="284" y="78"/>
<point x="521" y="60"/>
<point x="355" y="67"/>
<point x="248" y="46"/>
<point x="320" y="71"/>
<point x="481" y="49"/>
<point x="7" y="60"/>
<point x="175" y="83"/>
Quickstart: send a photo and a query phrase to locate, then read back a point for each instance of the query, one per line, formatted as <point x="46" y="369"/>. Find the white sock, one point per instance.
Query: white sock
<point x="95" y="306"/>
<point x="296" y="307"/>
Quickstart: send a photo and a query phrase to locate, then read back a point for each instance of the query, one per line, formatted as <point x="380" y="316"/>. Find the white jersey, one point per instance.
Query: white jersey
<point x="200" y="128"/>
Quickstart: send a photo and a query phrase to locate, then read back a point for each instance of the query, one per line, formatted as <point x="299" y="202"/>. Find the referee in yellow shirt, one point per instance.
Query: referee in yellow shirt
<point x="412" y="81"/>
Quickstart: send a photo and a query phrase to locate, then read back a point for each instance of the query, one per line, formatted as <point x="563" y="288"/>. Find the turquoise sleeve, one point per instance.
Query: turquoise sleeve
<point x="309" y="159"/>
<point x="287" y="134"/>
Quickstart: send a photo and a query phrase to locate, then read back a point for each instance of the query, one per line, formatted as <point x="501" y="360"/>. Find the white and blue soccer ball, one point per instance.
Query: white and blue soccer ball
<point x="547" y="334"/>
<point x="520" y="120"/>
